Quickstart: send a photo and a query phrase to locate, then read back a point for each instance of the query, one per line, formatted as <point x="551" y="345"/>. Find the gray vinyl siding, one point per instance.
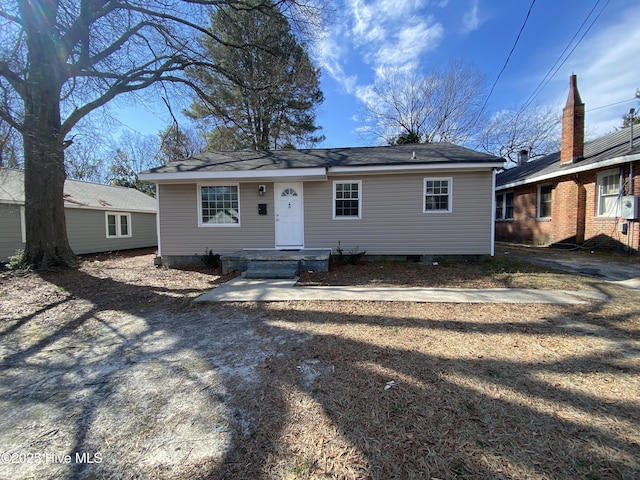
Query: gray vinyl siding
<point x="10" y="231"/>
<point x="393" y="222"/>
<point x="180" y="234"/>
<point x="86" y="230"/>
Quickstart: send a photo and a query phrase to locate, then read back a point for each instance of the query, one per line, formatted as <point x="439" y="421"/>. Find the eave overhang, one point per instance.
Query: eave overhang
<point x="291" y="174"/>
<point x="308" y="174"/>
<point x="612" y="162"/>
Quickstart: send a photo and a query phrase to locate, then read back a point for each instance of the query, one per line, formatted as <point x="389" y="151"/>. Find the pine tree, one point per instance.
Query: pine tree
<point x="262" y="96"/>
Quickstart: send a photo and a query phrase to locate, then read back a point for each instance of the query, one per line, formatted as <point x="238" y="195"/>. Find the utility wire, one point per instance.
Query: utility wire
<point x="507" y="60"/>
<point x="611" y="104"/>
<point x="540" y="86"/>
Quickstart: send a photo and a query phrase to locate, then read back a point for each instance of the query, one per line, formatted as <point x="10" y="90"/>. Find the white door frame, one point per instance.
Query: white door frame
<point x="285" y="239"/>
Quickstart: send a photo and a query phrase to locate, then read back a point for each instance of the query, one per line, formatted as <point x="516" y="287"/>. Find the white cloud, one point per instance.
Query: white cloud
<point x="366" y="23"/>
<point x="377" y="34"/>
<point x="366" y="94"/>
<point x="470" y="19"/>
<point x="608" y="71"/>
<point x="409" y="43"/>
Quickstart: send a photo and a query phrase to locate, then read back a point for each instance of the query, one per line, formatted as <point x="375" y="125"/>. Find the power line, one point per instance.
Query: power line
<point x="535" y="91"/>
<point x="549" y="76"/>
<point x="611" y="104"/>
<point x="508" y="58"/>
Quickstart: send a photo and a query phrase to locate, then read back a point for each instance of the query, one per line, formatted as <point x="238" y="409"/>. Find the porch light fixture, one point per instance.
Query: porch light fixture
<point x="261" y="190"/>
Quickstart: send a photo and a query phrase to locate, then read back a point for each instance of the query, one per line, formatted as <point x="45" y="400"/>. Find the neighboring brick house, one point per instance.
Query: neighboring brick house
<point x="586" y="194"/>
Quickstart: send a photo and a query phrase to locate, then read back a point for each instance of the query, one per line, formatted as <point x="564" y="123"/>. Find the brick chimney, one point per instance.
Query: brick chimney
<point x="572" y="125"/>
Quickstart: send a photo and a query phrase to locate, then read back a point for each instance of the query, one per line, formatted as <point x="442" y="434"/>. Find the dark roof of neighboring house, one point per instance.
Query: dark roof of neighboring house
<point x="615" y="145"/>
<point x="79" y="194"/>
<point x="237" y="161"/>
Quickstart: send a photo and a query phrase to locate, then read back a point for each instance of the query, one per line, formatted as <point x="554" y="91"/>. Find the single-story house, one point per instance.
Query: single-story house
<point x="405" y="200"/>
<point x="100" y="218"/>
<point x="584" y="195"/>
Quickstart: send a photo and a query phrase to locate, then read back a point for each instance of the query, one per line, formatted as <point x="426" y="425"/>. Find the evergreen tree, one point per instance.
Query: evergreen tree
<point x="261" y="96"/>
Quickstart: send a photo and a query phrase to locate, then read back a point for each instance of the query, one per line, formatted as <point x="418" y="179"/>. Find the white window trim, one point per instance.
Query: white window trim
<point x="599" y="178"/>
<point x="424" y="195"/>
<point x="502" y="201"/>
<point x="118" y="215"/>
<point x="539" y="202"/>
<point x="217" y="225"/>
<point x="513" y="205"/>
<point x="345" y="217"/>
<point x="503" y="195"/>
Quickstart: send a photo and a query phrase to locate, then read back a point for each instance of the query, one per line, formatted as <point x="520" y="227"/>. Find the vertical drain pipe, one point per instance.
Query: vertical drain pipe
<point x="631" y="119"/>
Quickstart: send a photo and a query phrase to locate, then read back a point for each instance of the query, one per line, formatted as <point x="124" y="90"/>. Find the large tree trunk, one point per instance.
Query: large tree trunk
<point x="46" y="234"/>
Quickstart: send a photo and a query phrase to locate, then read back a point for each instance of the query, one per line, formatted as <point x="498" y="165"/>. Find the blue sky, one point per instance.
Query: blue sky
<point x="366" y="36"/>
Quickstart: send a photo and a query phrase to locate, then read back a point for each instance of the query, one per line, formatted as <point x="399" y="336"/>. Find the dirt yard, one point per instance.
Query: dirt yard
<point x="111" y="371"/>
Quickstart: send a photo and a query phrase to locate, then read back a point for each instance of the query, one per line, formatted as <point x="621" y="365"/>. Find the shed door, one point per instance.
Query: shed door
<point x="289" y="215"/>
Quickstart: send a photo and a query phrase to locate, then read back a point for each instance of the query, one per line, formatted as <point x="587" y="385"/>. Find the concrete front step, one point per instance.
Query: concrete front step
<point x="316" y="260"/>
<point x="272" y="269"/>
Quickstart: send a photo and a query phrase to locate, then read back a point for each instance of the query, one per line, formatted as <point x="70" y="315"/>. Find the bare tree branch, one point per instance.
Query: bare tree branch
<point x="437" y="106"/>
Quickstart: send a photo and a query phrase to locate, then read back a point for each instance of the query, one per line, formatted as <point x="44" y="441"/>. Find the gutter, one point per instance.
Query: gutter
<point x="570" y="171"/>
<point x="315" y="173"/>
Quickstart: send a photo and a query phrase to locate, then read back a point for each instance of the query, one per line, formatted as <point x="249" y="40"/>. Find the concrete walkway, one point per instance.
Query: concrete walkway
<point x="266" y="290"/>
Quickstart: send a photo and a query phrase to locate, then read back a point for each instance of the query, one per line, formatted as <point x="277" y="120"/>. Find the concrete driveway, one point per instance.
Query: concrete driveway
<point x="621" y="269"/>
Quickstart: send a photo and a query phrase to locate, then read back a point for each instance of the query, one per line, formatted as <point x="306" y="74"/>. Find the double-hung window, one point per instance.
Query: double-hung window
<point x="347" y="199"/>
<point x="437" y="195"/>
<point x="608" y="193"/>
<point x="544" y="201"/>
<point x="219" y="205"/>
<point x="504" y="206"/>
<point x="118" y="224"/>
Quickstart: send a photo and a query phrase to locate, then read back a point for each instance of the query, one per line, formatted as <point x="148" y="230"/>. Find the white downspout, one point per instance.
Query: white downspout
<point x="159" y="253"/>
<point x="493" y="212"/>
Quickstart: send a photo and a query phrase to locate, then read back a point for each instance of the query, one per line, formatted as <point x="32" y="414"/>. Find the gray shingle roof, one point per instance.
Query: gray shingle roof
<point x="80" y="194"/>
<point x="613" y="145"/>
<point x="431" y="153"/>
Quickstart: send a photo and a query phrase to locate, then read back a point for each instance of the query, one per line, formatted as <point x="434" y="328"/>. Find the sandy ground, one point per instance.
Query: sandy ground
<point x="111" y="371"/>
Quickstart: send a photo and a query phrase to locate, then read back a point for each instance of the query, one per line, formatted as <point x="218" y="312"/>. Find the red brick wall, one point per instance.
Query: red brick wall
<point x="573" y="217"/>
<point x="525" y="227"/>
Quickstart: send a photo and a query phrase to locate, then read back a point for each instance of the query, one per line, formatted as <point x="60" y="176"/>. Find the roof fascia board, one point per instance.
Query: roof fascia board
<point x="87" y="207"/>
<point x="235" y="175"/>
<point x="109" y="208"/>
<point x="319" y="173"/>
<point x="571" y="171"/>
<point x="418" y="167"/>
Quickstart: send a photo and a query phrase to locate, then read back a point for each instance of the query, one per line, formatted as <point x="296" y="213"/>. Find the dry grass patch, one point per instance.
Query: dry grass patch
<point x="302" y="390"/>
<point x="480" y="392"/>
<point x="481" y="272"/>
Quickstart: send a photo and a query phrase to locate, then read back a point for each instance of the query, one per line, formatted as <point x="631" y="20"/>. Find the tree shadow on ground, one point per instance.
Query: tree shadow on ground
<point x="235" y="373"/>
<point x="454" y="417"/>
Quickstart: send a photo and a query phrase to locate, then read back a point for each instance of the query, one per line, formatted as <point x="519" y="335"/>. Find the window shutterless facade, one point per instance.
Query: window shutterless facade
<point x="437" y="195"/>
<point x="608" y="193"/>
<point x="118" y="224"/>
<point x="218" y="205"/>
<point x="347" y="199"/>
<point x="504" y="206"/>
<point x="544" y="201"/>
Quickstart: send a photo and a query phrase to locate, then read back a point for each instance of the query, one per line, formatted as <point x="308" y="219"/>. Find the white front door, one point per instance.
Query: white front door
<point x="289" y="217"/>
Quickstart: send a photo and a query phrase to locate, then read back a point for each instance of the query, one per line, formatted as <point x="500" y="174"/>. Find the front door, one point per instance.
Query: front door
<point x="289" y="218"/>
